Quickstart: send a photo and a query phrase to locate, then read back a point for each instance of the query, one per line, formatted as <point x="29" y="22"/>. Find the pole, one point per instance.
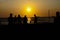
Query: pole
<point x="49" y="15"/>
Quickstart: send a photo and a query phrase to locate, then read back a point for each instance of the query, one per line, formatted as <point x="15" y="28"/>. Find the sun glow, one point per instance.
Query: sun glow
<point x="28" y="9"/>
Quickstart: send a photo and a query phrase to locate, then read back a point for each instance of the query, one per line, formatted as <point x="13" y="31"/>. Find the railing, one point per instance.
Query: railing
<point x="31" y="19"/>
<point x="44" y="19"/>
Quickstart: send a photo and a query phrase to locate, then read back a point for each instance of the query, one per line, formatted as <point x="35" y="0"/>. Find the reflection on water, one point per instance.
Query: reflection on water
<point x="29" y="19"/>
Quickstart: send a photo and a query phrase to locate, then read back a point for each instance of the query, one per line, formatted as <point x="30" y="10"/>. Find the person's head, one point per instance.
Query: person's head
<point x="34" y="14"/>
<point x="25" y="15"/>
<point x="15" y="15"/>
<point x="10" y="14"/>
<point x="18" y="15"/>
<point x="57" y="14"/>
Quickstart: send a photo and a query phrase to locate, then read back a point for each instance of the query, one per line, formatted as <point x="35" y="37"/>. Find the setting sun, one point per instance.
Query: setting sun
<point x="28" y="9"/>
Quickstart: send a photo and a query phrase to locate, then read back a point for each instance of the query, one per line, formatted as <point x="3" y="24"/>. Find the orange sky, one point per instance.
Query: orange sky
<point x="39" y="7"/>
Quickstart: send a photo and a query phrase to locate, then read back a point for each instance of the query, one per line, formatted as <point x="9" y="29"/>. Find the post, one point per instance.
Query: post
<point x="49" y="15"/>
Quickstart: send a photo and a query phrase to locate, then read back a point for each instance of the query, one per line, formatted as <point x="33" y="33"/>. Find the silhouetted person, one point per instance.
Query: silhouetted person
<point x="0" y="22"/>
<point x="25" y="20"/>
<point x="15" y="20"/>
<point x="57" y="18"/>
<point x="35" y="19"/>
<point x="19" y="19"/>
<point x="10" y="19"/>
<point x="30" y="21"/>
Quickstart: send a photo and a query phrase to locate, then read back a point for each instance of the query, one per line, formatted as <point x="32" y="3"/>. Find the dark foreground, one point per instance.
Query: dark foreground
<point x="30" y="28"/>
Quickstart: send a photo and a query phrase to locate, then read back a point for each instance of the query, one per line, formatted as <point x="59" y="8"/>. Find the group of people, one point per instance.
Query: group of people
<point x="19" y="19"/>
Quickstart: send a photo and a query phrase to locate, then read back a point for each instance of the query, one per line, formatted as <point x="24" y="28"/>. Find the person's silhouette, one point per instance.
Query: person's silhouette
<point x="35" y="19"/>
<point x="0" y="22"/>
<point x="57" y="18"/>
<point x="25" y="20"/>
<point x="15" y="19"/>
<point x="10" y="19"/>
<point x="19" y="19"/>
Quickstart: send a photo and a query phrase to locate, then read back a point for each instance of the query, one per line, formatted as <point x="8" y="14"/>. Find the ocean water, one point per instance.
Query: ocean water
<point x="30" y="20"/>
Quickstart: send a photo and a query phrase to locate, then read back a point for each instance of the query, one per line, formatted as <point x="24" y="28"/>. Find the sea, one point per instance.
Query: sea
<point x="4" y="21"/>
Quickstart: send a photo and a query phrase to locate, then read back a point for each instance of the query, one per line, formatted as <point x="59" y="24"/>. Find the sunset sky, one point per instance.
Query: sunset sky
<point x="38" y="7"/>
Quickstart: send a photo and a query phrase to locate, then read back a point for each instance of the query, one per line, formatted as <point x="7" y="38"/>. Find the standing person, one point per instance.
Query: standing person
<point x="57" y="18"/>
<point x="25" y="20"/>
<point x="15" y="19"/>
<point x="0" y="22"/>
<point x="19" y="19"/>
<point x="35" y="19"/>
<point x="10" y="19"/>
